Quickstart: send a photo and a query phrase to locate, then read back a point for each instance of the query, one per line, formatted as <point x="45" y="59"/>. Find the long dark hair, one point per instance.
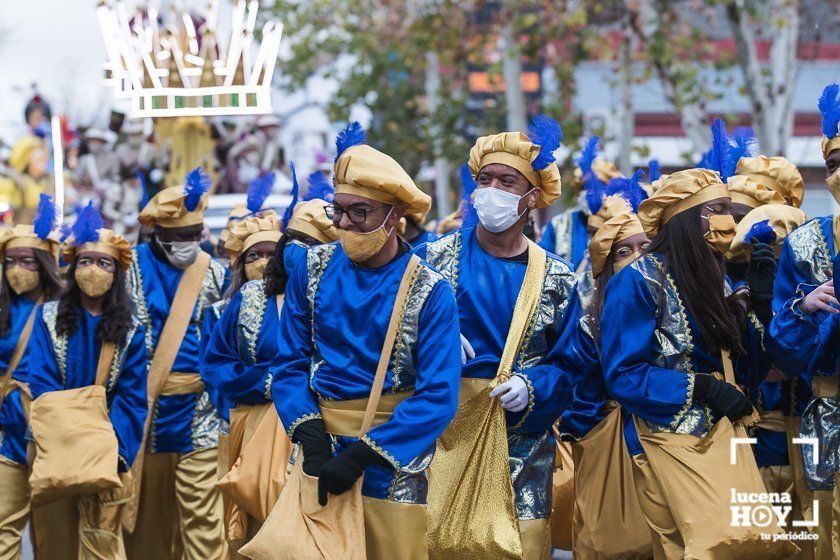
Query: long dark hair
<point x="50" y="280"/>
<point x="276" y="275"/>
<point x="237" y="275"/>
<point x="596" y="302"/>
<point x="699" y="274"/>
<point x="116" y="309"/>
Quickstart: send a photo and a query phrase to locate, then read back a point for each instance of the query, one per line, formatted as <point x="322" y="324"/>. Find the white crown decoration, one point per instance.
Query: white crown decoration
<point x="181" y="66"/>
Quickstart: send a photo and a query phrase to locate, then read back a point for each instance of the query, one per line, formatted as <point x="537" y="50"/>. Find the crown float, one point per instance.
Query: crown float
<point x="180" y="65"/>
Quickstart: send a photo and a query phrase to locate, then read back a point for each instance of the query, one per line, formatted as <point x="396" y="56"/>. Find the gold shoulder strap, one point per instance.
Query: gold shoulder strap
<point x="106" y="356"/>
<point x="20" y="347"/>
<point x="523" y="310"/>
<point x="388" y="345"/>
<point x="176" y="324"/>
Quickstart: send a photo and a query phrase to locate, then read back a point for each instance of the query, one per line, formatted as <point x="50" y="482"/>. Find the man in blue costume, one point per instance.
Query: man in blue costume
<point x="179" y="505"/>
<point x="331" y="334"/>
<point x="486" y="263"/>
<point x="804" y="331"/>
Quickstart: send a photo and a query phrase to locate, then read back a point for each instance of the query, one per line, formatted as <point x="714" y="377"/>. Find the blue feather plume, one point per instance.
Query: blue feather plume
<point x="319" y="187"/>
<point x="719" y="156"/>
<point x="351" y="136"/>
<point x="829" y="106"/>
<point x="469" y="217"/>
<point x="595" y="191"/>
<point x="653" y="170"/>
<point x="761" y="232"/>
<point x="196" y="185"/>
<point x="87" y="225"/>
<point x="588" y="155"/>
<point x="287" y="215"/>
<point x="145" y="185"/>
<point x="45" y="216"/>
<point x="629" y="188"/>
<point x="547" y="134"/>
<point x="65" y="231"/>
<point x="258" y="190"/>
<point x="743" y="144"/>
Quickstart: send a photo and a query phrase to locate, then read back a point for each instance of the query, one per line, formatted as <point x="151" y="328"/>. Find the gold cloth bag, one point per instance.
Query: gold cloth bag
<point x="471" y="507"/>
<point x="76" y="448"/>
<point x="697" y="478"/>
<point x="562" y="497"/>
<point x="609" y="523"/>
<point x="298" y="527"/>
<point x="256" y="478"/>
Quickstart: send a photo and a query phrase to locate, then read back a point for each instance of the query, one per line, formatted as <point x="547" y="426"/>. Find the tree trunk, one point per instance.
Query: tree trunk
<point x="625" y="133"/>
<point x="517" y="118"/>
<point x="441" y="164"/>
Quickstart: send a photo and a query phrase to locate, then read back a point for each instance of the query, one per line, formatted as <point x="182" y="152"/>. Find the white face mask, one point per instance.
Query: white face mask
<point x="181" y="254"/>
<point x="497" y="210"/>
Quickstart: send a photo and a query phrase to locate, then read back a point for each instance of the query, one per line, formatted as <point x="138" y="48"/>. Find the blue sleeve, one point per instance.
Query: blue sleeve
<point x="225" y="372"/>
<point x="589" y="394"/>
<point x="294" y="400"/>
<point x="549" y="237"/>
<point x="789" y="279"/>
<point x="128" y="406"/>
<point x="629" y="351"/>
<point x="41" y="361"/>
<point x="435" y="398"/>
<point x="420" y="251"/>
<point x="551" y="383"/>
<point x="752" y="369"/>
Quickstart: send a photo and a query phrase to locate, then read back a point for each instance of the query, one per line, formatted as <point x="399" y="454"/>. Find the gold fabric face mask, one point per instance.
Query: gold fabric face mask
<point x="22" y="280"/>
<point x="256" y="269"/>
<point x="362" y="246"/>
<point x="833" y="183"/>
<point x="721" y="232"/>
<point x="93" y="281"/>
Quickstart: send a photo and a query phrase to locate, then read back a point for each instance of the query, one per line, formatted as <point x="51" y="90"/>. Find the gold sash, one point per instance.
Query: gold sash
<point x="180" y="313"/>
<point x="471" y="503"/>
<point x="344" y="418"/>
<point x="182" y="384"/>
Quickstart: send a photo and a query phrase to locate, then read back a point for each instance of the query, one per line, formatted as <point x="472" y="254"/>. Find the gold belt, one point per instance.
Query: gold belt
<point x="344" y="418"/>
<point x="182" y="384"/>
<point x="772" y="420"/>
<point x="826" y="387"/>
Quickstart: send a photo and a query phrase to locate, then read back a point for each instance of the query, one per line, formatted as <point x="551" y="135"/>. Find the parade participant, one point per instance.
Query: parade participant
<point x="335" y="317"/>
<point x="30" y="172"/>
<point x="413" y="230"/>
<point x="803" y="334"/>
<point x="608" y="521"/>
<point x="674" y="299"/>
<point x="776" y="173"/>
<point x="464" y="215"/>
<point x="172" y="283"/>
<point x="69" y="338"/>
<point x="566" y="234"/>
<point x="487" y="265"/>
<point x="30" y="275"/>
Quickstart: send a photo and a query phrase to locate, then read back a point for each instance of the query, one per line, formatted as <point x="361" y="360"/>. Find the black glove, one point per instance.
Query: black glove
<point x="316" y="446"/>
<point x="761" y="275"/>
<point x="721" y="396"/>
<point x="340" y="473"/>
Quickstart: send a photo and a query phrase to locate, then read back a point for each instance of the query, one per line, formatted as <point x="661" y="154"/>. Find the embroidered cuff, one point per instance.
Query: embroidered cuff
<point x="267" y="391"/>
<point x="802" y="290"/>
<point x="689" y="400"/>
<point x="381" y="452"/>
<point x="530" y="406"/>
<point x="301" y="419"/>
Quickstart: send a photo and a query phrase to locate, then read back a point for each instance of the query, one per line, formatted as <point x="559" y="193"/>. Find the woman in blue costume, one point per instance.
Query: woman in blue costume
<point x="674" y="302"/>
<point x="66" y="342"/>
<point x="30" y="275"/>
<point x="804" y="331"/>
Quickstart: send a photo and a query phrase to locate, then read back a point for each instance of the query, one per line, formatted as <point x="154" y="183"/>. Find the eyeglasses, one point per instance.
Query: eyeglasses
<point x="357" y="215"/>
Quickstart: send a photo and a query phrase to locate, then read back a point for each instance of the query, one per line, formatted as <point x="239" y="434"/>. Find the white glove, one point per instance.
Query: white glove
<point x="514" y="394"/>
<point x="467" y="352"/>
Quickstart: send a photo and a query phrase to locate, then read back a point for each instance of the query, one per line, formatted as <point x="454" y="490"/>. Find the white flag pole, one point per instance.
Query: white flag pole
<point x="58" y="169"/>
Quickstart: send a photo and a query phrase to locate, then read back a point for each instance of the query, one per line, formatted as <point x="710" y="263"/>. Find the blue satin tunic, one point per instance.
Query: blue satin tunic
<point x="12" y="418"/>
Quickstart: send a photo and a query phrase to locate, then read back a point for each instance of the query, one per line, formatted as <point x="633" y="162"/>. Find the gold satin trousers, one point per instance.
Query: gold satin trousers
<point x="14" y="508"/>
